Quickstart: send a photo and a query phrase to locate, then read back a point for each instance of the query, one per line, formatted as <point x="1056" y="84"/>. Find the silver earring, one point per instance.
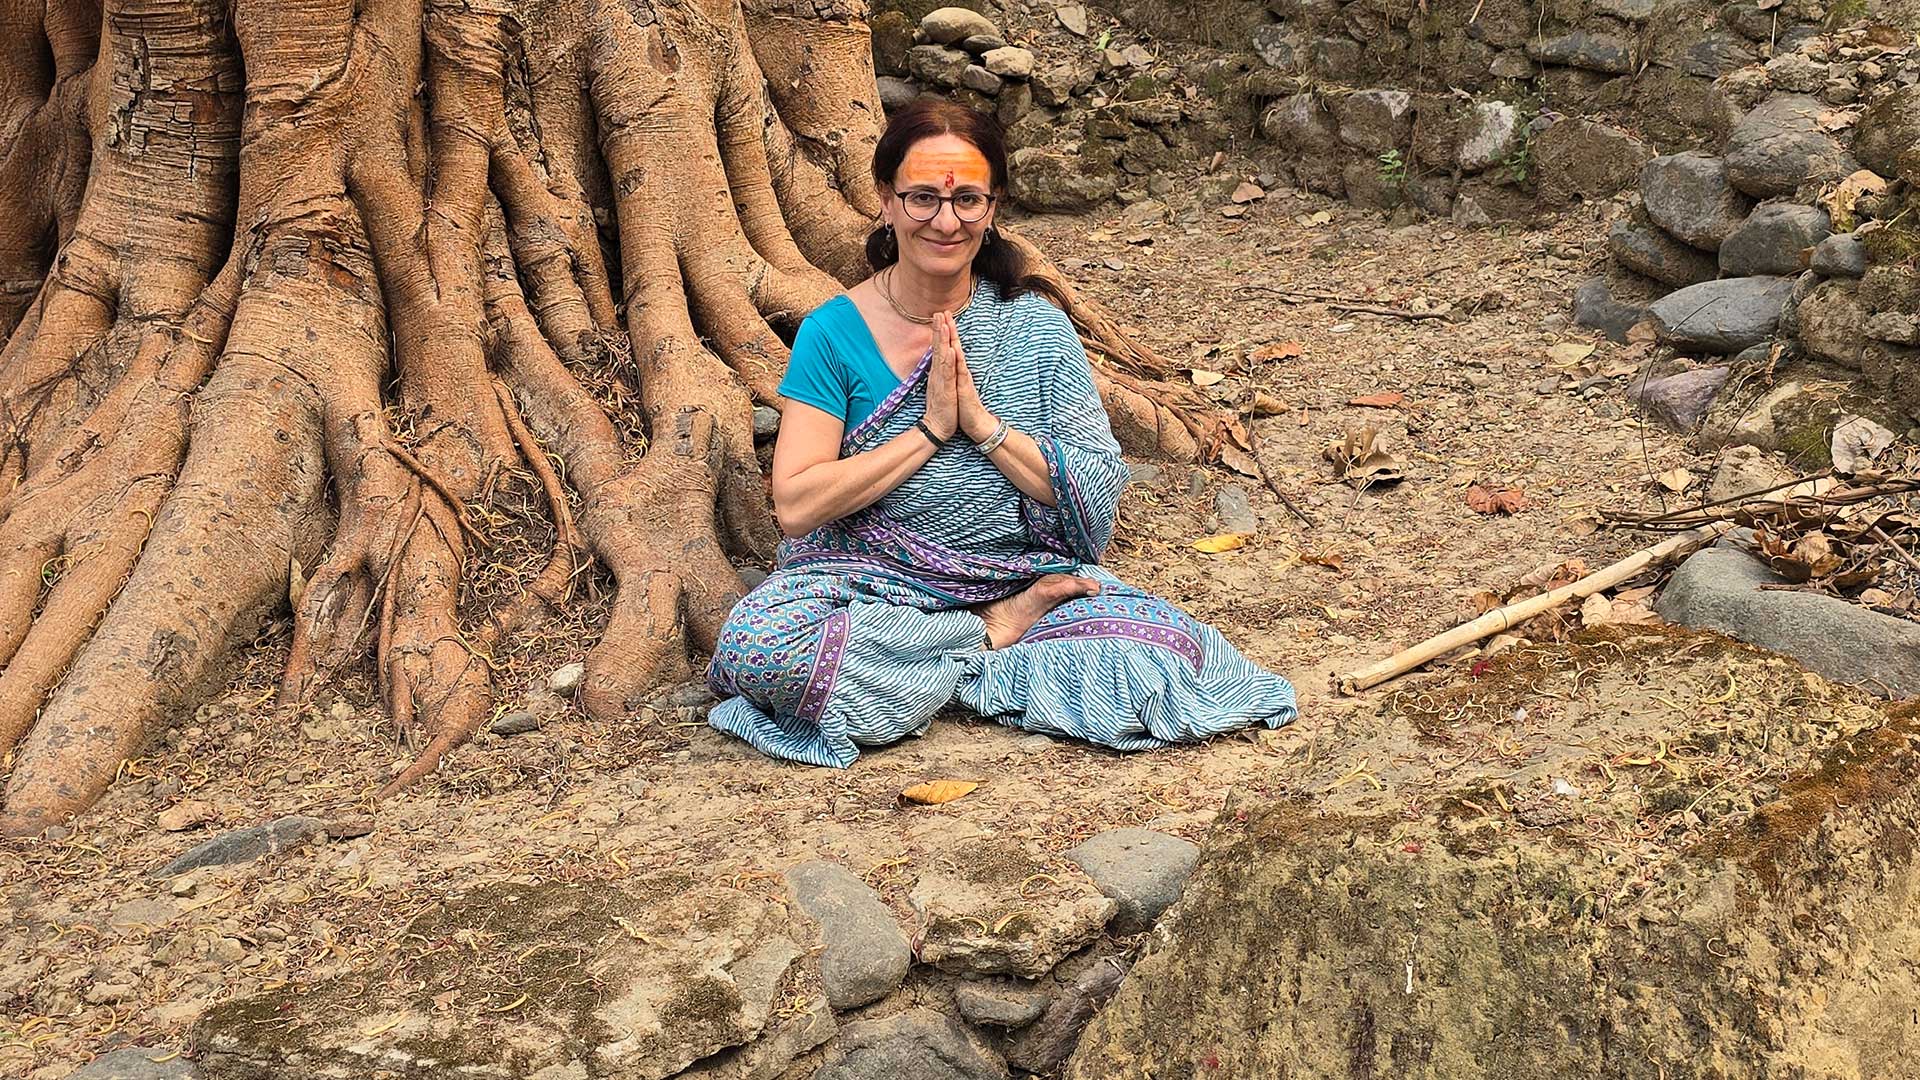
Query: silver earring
<point x="989" y="236"/>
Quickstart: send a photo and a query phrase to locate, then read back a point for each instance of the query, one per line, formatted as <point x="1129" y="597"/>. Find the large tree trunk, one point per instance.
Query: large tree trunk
<point x="325" y="293"/>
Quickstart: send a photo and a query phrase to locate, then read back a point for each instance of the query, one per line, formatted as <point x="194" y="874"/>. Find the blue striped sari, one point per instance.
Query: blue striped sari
<point x="862" y="633"/>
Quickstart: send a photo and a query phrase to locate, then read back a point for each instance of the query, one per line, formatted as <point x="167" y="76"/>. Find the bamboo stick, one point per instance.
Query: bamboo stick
<point x="1499" y="619"/>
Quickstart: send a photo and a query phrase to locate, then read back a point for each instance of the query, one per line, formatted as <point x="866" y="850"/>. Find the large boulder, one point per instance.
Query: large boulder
<point x="1374" y="121"/>
<point x="1487" y="922"/>
<point x="1779" y="146"/>
<point x="1586" y="159"/>
<point x="1886" y="138"/>
<point x="1643" y="247"/>
<point x="1727" y="590"/>
<point x="1830" y="322"/>
<point x="938" y="65"/>
<point x="1688" y="194"/>
<point x="1722" y="316"/>
<point x="1773" y="240"/>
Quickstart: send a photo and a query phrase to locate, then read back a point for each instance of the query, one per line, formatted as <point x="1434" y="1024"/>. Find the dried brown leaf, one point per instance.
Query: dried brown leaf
<point x="1506" y="500"/>
<point x="935" y="792"/>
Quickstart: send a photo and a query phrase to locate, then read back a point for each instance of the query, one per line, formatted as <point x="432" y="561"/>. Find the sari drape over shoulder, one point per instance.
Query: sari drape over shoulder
<point x="862" y="633"/>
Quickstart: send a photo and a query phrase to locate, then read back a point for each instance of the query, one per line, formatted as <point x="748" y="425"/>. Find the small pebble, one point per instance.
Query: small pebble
<point x="517" y="722"/>
<point x="567" y="679"/>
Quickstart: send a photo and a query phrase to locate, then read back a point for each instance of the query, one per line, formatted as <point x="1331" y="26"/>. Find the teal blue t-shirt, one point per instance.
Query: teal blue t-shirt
<point x="836" y="366"/>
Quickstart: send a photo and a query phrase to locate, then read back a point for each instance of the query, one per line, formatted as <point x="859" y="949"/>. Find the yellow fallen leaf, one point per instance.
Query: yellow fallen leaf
<point x="1203" y="377"/>
<point x="1214" y="545"/>
<point x="935" y="792"/>
<point x="1569" y="352"/>
<point x="1676" y="479"/>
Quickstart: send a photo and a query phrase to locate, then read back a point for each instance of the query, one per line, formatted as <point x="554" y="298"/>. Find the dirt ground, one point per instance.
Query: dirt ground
<point x="95" y="955"/>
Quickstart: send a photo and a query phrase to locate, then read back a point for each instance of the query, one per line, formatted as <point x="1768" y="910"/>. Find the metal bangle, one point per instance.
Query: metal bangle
<point x="992" y="442"/>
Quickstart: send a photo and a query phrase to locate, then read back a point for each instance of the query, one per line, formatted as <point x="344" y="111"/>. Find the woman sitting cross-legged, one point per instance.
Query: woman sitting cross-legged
<point x="947" y="480"/>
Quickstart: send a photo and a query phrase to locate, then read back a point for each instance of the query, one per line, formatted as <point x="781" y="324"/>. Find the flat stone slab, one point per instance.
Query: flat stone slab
<point x="1000" y="1004"/>
<point x="639" y="980"/>
<point x="136" y="1065"/>
<point x="866" y="955"/>
<point x="246" y="845"/>
<point x="996" y="909"/>
<point x="1720" y="589"/>
<point x="1142" y="870"/>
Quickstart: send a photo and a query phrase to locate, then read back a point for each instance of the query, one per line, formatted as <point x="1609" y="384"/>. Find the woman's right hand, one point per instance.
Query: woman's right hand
<point x="943" y="393"/>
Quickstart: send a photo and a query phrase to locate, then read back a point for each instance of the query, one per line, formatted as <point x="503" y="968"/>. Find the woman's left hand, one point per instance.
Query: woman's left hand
<point x="975" y="420"/>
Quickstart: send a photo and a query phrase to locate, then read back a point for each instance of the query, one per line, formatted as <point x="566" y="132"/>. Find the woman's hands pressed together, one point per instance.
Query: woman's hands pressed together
<point x="970" y="413"/>
<point x="943" y="396"/>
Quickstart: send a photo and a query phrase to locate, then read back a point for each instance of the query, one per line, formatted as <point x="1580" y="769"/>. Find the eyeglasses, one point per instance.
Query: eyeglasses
<point x="968" y="206"/>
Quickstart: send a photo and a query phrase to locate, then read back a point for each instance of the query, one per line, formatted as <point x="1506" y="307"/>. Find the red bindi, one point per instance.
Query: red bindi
<point x="949" y="179"/>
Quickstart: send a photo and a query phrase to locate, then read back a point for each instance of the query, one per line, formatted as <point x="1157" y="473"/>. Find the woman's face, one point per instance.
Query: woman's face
<point x="947" y="166"/>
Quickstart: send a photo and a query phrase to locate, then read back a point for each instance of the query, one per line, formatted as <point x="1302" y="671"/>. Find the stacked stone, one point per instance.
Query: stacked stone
<point x="1791" y="237"/>
<point x="955" y="50"/>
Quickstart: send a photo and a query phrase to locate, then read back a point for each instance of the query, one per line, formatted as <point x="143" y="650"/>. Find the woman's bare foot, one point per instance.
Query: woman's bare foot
<point x="1009" y="619"/>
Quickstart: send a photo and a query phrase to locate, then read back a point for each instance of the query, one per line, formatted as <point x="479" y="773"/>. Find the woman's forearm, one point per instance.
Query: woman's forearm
<point x="1020" y="461"/>
<point x="833" y="489"/>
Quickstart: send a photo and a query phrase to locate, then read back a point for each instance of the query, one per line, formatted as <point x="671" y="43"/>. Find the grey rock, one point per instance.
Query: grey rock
<point x="975" y="77"/>
<point x="865" y="956"/>
<point x="1489" y="135"/>
<point x="950" y="25"/>
<point x="1009" y="62"/>
<point x="937" y="65"/>
<point x="1141" y="869"/>
<point x="1715" y="54"/>
<point x="1595" y="308"/>
<point x="1689" y="195"/>
<point x="1334" y="56"/>
<point x="567" y="678"/>
<point x="1797" y="73"/>
<point x="1745" y="469"/>
<point x="1643" y="247"/>
<point x="1051" y="1038"/>
<point x="1511" y="64"/>
<point x="982" y="44"/>
<point x="1840" y="92"/>
<point x="1053" y="183"/>
<point x="1779" y="146"/>
<point x="1630" y="10"/>
<point x="1587" y="51"/>
<point x="1719" y="589"/>
<point x="751" y="578"/>
<point x="1000" y="1004"/>
<point x="1680" y="401"/>
<point x="246" y="845"/>
<point x="1889" y="129"/>
<point x="1302" y="125"/>
<point x="1016" y="100"/>
<point x="766" y="418"/>
<point x="1840" y="255"/>
<point x="1146" y="474"/>
<point x="1273" y="43"/>
<point x="1055" y="84"/>
<point x="918" y="1044"/>
<point x="135" y="1064"/>
<point x="1830" y="322"/>
<point x="1772" y="239"/>
<point x="1235" y="511"/>
<point x="765" y="1058"/>
<point x="1899" y="327"/>
<point x="895" y="94"/>
<point x="1723" y="316"/>
<point x="1751" y="21"/>
<point x="517" y="722"/>
<point x="1890" y="287"/>
<point x="1374" y="121"/>
<point x="1469" y="214"/>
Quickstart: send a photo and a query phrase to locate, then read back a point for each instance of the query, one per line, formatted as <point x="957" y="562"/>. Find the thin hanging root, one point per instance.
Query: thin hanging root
<point x="426" y="475"/>
<point x="383" y="647"/>
<point x="549" y="590"/>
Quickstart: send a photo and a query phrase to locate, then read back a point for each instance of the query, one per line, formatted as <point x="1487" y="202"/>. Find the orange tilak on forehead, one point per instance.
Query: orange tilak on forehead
<point x="944" y="167"/>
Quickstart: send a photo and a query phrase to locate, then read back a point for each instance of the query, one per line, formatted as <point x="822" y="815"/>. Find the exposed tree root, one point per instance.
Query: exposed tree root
<point x="315" y="296"/>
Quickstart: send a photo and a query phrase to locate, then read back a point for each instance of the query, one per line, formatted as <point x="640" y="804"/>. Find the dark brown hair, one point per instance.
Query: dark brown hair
<point x="926" y="117"/>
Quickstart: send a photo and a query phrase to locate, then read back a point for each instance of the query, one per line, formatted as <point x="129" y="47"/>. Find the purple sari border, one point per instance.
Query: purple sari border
<point x="889" y="406"/>
<point x="826" y="665"/>
<point x="1171" y="638"/>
